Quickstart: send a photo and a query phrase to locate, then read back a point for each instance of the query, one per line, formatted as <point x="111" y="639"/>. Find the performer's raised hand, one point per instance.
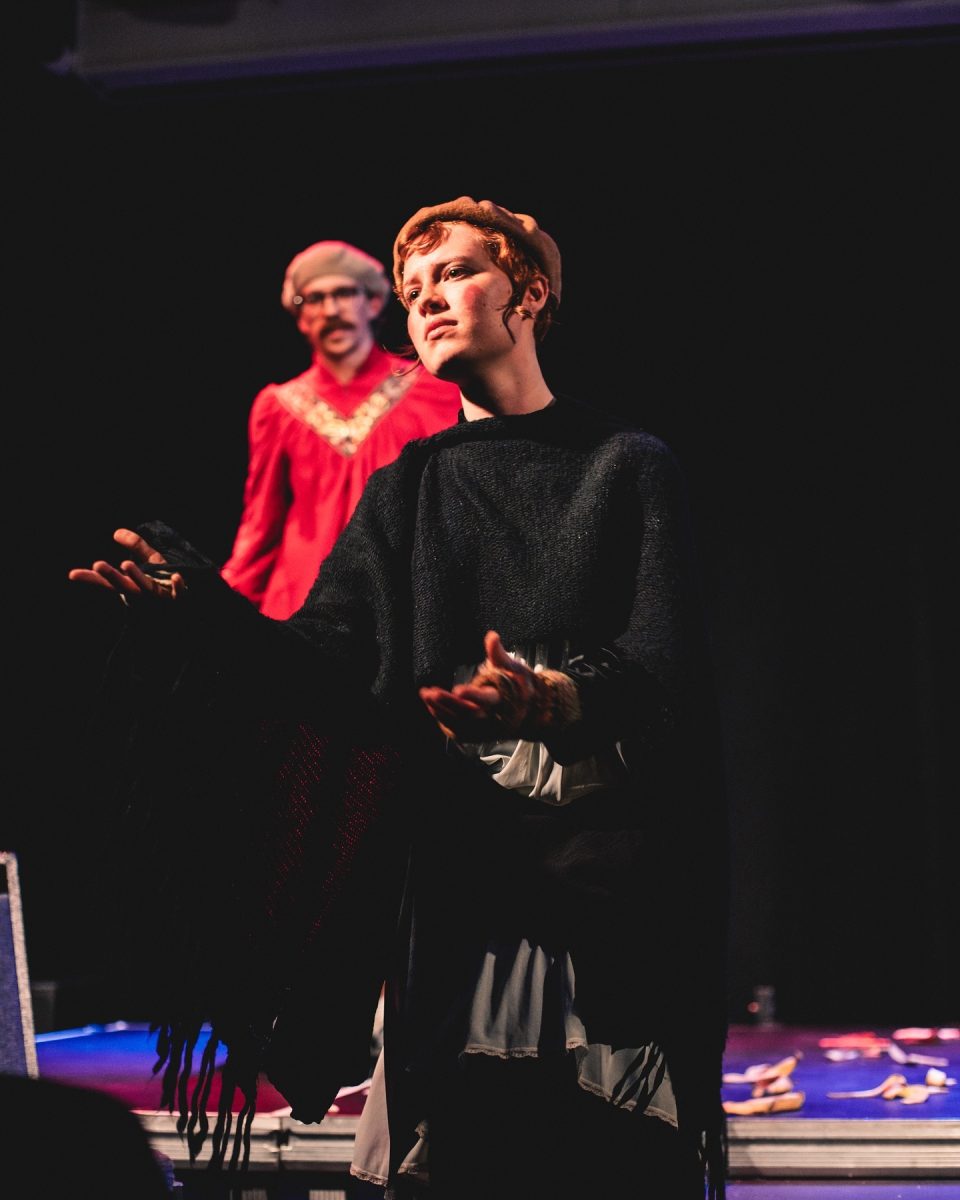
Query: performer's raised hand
<point x="129" y="580"/>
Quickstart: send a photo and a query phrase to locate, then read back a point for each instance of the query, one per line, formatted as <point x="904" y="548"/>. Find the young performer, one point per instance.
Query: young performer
<point x="508" y="800"/>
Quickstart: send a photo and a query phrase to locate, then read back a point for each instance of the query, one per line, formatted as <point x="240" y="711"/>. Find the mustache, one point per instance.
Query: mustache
<point x="334" y="324"/>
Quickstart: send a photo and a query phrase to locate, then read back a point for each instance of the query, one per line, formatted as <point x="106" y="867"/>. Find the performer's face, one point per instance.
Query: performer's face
<point x="456" y="296"/>
<point x="336" y="315"/>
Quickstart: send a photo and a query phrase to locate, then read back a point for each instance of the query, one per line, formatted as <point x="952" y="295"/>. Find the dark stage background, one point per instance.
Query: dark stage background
<point x="760" y="267"/>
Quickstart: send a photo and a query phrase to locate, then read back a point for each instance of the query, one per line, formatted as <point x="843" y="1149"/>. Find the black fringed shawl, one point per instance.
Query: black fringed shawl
<point x="259" y="865"/>
<point x="303" y="787"/>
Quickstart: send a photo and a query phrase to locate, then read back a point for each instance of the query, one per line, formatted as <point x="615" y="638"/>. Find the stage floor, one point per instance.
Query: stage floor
<point x="828" y="1147"/>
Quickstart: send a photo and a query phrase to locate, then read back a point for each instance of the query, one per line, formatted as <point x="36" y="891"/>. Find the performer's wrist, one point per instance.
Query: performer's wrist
<point x="556" y="702"/>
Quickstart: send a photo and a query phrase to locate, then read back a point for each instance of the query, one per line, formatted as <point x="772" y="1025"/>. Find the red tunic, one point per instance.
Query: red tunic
<point x="313" y="443"/>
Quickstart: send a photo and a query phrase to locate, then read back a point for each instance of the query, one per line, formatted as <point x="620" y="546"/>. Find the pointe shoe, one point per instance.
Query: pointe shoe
<point x="762" y="1105"/>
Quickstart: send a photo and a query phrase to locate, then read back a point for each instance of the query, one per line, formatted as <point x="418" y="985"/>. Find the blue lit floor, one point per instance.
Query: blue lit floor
<point x="828" y="1148"/>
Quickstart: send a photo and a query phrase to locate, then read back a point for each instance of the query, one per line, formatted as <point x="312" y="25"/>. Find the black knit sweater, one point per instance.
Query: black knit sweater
<point x="561" y="526"/>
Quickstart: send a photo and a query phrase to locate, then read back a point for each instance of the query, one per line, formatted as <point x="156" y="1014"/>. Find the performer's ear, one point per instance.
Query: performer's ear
<point x="536" y="293"/>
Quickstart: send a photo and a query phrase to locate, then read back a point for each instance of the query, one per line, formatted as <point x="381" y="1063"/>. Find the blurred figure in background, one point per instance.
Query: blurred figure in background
<point x="315" y="439"/>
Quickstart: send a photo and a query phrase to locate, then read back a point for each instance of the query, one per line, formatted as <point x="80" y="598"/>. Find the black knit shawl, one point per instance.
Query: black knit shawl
<point x="305" y="740"/>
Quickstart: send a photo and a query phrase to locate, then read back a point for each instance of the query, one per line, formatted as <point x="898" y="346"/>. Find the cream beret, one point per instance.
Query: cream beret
<point x="332" y="258"/>
<point x="484" y="212"/>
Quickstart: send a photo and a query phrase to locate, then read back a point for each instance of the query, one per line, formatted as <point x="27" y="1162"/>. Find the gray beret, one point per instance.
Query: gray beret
<point x="333" y="258"/>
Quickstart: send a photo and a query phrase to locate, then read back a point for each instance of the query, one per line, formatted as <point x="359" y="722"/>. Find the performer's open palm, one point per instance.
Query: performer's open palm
<point x="129" y="581"/>
<point x="494" y="704"/>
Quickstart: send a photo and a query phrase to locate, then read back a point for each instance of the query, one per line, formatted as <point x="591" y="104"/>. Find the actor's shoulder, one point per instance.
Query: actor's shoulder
<point x="418" y="449"/>
<point x="413" y="454"/>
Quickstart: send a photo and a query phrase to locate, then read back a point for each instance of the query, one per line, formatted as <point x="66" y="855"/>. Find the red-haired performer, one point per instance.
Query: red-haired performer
<point x="507" y="798"/>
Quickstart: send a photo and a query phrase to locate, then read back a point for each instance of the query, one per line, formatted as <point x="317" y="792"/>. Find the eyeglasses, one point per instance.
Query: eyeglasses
<point x="340" y="295"/>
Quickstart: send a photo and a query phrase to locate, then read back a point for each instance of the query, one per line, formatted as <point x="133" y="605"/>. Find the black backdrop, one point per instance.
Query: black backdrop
<point x="759" y="268"/>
